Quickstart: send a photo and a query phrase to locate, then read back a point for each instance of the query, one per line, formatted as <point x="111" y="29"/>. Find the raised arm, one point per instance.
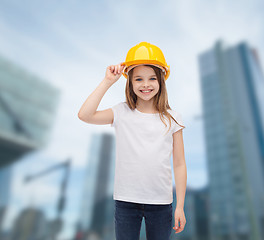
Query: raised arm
<point x="88" y="112"/>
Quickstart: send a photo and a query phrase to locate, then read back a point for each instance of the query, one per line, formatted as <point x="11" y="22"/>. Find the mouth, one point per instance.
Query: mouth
<point x="146" y="92"/>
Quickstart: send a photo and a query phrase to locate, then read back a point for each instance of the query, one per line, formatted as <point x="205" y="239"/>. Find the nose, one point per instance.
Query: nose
<point x="146" y="84"/>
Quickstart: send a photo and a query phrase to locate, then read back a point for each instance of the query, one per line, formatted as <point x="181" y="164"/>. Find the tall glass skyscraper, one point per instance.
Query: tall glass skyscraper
<point x="28" y="107"/>
<point x="97" y="204"/>
<point x="232" y="99"/>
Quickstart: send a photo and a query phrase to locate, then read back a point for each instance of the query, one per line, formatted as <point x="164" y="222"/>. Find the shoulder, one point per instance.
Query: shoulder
<point x="175" y="114"/>
<point x="119" y="110"/>
<point x="178" y="117"/>
<point x="121" y="106"/>
<point x="180" y="123"/>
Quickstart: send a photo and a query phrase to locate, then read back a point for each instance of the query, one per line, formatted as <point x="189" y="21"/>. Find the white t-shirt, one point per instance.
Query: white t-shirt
<point x="143" y="171"/>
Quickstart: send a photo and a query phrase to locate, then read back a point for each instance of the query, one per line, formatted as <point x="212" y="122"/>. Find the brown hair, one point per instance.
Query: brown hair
<point x="160" y="99"/>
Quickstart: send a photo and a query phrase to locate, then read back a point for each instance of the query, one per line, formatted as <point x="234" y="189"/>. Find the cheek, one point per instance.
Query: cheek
<point x="135" y="89"/>
<point x="136" y="86"/>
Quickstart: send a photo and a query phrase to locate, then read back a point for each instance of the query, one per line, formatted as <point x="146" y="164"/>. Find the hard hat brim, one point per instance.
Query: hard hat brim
<point x="129" y="66"/>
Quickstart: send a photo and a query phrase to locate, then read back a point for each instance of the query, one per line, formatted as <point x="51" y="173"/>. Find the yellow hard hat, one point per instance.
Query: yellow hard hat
<point x="145" y="53"/>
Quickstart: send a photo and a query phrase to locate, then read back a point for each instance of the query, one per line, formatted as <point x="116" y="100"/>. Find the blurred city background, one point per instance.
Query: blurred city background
<point x="57" y="172"/>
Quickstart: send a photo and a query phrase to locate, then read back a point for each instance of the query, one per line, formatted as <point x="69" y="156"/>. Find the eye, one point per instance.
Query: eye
<point x="140" y="79"/>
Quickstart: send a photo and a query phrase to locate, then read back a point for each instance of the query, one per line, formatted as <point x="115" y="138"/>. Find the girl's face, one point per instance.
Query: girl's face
<point x="144" y="78"/>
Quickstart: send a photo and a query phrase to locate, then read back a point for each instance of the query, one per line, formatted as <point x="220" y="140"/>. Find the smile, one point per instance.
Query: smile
<point x="146" y="92"/>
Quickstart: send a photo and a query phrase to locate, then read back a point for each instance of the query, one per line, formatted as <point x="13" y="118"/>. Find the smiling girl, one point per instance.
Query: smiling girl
<point x="147" y="131"/>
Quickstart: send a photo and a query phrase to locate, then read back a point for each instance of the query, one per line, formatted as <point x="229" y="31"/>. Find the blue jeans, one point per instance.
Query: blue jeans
<point x="128" y="218"/>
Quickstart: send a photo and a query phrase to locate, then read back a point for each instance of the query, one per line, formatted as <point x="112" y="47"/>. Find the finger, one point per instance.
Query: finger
<point x="182" y="225"/>
<point x="177" y="222"/>
<point x="115" y="69"/>
<point x="182" y="222"/>
<point x="119" y="68"/>
<point x="178" y="230"/>
<point x="181" y="228"/>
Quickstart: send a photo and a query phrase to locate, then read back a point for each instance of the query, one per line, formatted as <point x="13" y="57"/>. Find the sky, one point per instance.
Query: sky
<point x="70" y="44"/>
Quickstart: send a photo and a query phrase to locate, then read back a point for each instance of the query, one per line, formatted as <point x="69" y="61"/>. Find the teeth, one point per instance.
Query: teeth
<point x="146" y="91"/>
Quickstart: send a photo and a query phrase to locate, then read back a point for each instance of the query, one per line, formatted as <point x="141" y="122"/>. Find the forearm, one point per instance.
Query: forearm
<point x="180" y="176"/>
<point x="91" y="104"/>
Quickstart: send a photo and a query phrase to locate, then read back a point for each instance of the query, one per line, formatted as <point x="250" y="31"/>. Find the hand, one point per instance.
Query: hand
<point x="114" y="72"/>
<point x="179" y="217"/>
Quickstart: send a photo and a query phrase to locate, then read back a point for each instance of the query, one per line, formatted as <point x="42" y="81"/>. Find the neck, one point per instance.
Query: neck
<point x="146" y="106"/>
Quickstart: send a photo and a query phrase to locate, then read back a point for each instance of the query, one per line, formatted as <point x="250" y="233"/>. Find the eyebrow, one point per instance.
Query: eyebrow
<point x="150" y="76"/>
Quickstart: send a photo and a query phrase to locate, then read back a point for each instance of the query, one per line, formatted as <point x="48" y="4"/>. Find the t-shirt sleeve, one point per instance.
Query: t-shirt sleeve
<point x="178" y="117"/>
<point x="117" y="111"/>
